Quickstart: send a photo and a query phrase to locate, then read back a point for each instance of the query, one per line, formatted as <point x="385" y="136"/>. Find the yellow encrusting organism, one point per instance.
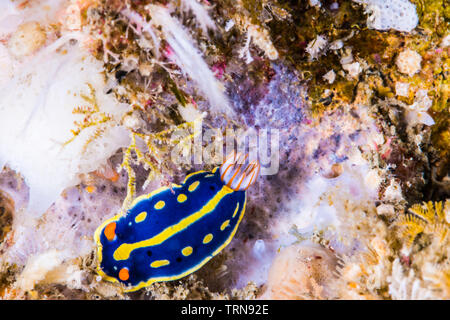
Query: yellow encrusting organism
<point x="93" y="117"/>
<point x="427" y="218"/>
<point x="152" y="160"/>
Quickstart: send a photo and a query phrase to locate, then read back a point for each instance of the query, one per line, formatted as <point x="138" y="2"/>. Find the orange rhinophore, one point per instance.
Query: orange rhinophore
<point x="235" y="175"/>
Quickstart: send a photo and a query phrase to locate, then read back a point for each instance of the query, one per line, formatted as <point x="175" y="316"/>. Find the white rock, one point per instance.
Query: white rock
<point x="190" y="113"/>
<point x="400" y="15"/>
<point x="315" y="3"/>
<point x="336" y="45"/>
<point x="446" y="41"/>
<point x="353" y="69"/>
<point x="229" y="25"/>
<point x="423" y="99"/>
<point x="401" y="89"/>
<point x="417" y="112"/>
<point x="330" y="76"/>
<point x="347" y="57"/>
<point x="38" y="267"/>
<point x="28" y="38"/>
<point x="408" y="62"/>
<point x="393" y="192"/>
<point x="386" y="209"/>
<point x="316" y="47"/>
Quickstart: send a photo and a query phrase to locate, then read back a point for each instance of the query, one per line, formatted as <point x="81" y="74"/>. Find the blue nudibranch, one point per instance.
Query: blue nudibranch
<point x="172" y="232"/>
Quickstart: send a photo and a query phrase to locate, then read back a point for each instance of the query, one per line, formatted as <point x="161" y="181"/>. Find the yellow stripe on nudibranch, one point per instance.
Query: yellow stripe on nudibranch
<point x="207" y="238"/>
<point x="236" y="210"/>
<point x="187" y="251"/>
<point x="224" y="225"/>
<point x="124" y="250"/>
<point x="140" y="217"/>
<point x="193" y="174"/>
<point x="181" y="198"/>
<point x="160" y="204"/>
<point x="148" y="196"/>
<point x="193" y="186"/>
<point x="159" y="263"/>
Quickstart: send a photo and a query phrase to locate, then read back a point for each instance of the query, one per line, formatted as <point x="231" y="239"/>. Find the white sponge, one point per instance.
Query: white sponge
<point x="400" y="15"/>
<point x="36" y="120"/>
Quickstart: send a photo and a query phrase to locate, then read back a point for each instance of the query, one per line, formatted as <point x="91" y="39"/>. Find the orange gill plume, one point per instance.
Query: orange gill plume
<point x="236" y="175"/>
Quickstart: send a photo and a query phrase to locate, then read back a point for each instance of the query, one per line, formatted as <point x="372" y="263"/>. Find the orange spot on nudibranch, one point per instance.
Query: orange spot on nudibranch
<point x="124" y="274"/>
<point x="110" y="231"/>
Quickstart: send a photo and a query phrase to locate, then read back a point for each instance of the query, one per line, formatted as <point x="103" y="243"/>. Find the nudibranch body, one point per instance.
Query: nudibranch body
<point x="172" y="232"/>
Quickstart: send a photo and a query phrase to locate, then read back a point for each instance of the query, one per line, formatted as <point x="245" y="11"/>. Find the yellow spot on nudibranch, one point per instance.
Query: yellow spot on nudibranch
<point x="207" y="238"/>
<point x="193" y="186"/>
<point x="160" y="204"/>
<point x="159" y="263"/>
<point x="90" y="189"/>
<point x="224" y="225"/>
<point x="124" y="274"/>
<point x="187" y="251"/>
<point x="181" y="198"/>
<point x="140" y="217"/>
